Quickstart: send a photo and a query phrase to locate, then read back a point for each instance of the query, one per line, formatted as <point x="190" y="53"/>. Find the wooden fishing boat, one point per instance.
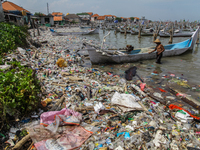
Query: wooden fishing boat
<point x="134" y="31"/>
<point x="94" y="31"/>
<point x="162" y="33"/>
<point x="147" y="32"/>
<point x="122" y="56"/>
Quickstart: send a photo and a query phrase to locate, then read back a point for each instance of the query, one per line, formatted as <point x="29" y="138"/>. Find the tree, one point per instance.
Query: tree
<point x="119" y="19"/>
<point x="38" y="14"/>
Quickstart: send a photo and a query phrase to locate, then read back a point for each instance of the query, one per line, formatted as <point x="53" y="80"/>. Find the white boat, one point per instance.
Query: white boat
<point x="177" y="33"/>
<point x="134" y="31"/>
<point x="147" y="32"/>
<point x="122" y="56"/>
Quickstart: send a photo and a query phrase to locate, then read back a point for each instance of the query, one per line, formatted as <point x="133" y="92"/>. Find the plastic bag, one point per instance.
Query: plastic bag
<point x="66" y="137"/>
<point x="53" y="119"/>
<point x="126" y="102"/>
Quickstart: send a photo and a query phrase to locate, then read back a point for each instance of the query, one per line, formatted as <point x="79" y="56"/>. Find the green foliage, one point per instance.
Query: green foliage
<point x="132" y="18"/>
<point x="82" y="14"/>
<point x="1" y="60"/>
<point x="23" y="133"/>
<point x="119" y="19"/>
<point x="39" y="14"/>
<point x="12" y="36"/>
<point x="19" y="92"/>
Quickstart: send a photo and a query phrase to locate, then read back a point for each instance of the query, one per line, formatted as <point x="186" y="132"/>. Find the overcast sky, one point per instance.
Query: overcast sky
<point x="151" y="9"/>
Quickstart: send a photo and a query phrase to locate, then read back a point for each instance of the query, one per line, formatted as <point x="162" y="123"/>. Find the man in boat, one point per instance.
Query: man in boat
<point x="160" y="49"/>
<point x="129" y="48"/>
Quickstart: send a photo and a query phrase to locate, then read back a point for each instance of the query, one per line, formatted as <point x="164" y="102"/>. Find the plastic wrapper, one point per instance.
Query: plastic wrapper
<point x="89" y="127"/>
<point x="66" y="137"/>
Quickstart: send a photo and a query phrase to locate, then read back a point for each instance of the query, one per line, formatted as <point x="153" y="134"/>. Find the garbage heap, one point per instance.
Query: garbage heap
<point x="88" y="109"/>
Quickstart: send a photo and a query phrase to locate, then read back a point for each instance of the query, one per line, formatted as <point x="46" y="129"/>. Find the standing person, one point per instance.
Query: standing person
<point x="160" y="49"/>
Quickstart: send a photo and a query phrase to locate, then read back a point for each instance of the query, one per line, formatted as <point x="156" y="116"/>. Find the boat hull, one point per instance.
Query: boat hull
<point x="98" y="57"/>
<point x="146" y="33"/>
<point x="107" y="56"/>
<point x="186" y="34"/>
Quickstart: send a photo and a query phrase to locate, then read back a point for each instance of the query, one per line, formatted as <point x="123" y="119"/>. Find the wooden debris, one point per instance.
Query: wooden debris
<point x="21" y="142"/>
<point x="87" y="108"/>
<point x="60" y="101"/>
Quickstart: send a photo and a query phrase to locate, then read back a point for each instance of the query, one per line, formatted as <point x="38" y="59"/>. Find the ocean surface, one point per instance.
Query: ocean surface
<point x="186" y="65"/>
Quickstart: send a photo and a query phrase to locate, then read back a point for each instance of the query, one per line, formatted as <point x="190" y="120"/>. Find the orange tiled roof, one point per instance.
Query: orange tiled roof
<point x="114" y="16"/>
<point x="54" y="13"/>
<point x="108" y="15"/>
<point x="9" y="6"/>
<point x="57" y="14"/>
<point x="101" y="18"/>
<point x="90" y="13"/>
<point x="137" y="18"/>
<point x="5" y="10"/>
<point x="95" y="15"/>
<point x="57" y="18"/>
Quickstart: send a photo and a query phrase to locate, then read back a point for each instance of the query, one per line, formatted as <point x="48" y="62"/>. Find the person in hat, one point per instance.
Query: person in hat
<point x="160" y="49"/>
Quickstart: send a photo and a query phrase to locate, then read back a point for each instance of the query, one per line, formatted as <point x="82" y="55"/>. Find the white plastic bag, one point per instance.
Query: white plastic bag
<point x="127" y="102"/>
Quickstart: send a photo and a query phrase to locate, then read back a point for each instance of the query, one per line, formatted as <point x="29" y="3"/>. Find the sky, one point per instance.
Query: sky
<point x="155" y="10"/>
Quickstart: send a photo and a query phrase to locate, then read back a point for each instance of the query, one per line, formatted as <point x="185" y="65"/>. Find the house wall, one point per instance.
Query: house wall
<point x="100" y="21"/>
<point x="1" y="13"/>
<point x="92" y="18"/>
<point x="42" y="20"/>
<point x="51" y="21"/>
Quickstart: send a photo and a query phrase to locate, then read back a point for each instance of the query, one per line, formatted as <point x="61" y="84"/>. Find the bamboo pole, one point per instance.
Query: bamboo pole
<point x="125" y="30"/>
<point x="157" y="31"/>
<point x="155" y="34"/>
<point x="139" y="33"/>
<point x="197" y="42"/>
<point x="33" y="27"/>
<point x="171" y="36"/>
<point x="30" y="146"/>
<point x="115" y="30"/>
<point x="38" y="30"/>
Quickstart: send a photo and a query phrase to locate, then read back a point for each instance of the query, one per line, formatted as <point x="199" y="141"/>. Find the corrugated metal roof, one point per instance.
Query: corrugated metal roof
<point x="71" y="16"/>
